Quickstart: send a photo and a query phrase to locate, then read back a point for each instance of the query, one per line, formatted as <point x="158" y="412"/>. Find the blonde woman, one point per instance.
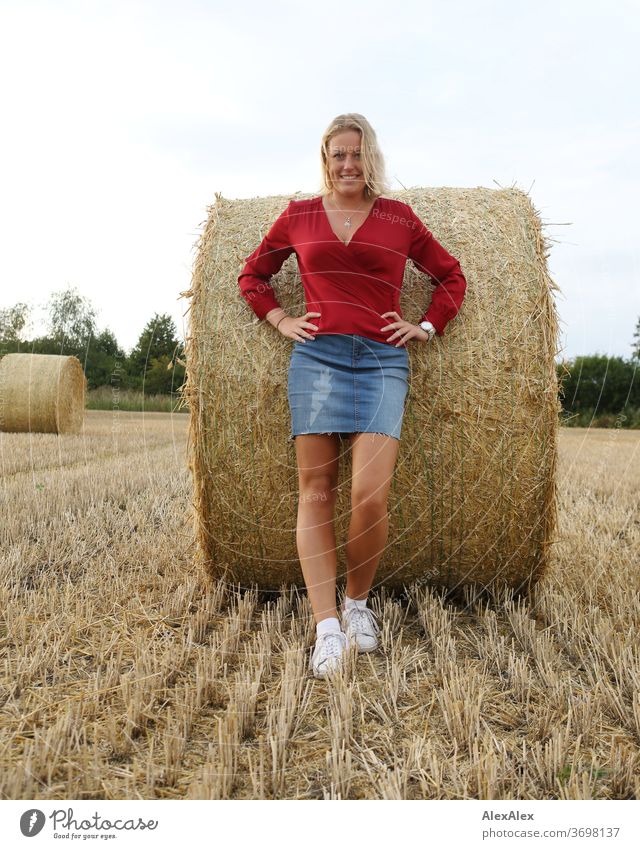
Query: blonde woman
<point x="349" y="364"/>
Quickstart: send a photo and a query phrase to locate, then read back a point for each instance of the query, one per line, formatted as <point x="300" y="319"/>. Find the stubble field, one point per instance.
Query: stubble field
<point x="125" y="675"/>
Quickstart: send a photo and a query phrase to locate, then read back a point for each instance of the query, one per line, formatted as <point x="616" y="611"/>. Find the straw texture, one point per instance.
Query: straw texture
<point x="41" y="393"/>
<point x="474" y="493"/>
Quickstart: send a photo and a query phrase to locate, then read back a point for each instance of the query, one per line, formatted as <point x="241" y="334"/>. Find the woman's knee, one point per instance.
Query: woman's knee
<point x="318" y="489"/>
<point x="369" y="500"/>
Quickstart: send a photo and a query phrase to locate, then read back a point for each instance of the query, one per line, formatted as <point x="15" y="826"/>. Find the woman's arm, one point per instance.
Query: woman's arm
<point x="261" y="265"/>
<point x="429" y="256"/>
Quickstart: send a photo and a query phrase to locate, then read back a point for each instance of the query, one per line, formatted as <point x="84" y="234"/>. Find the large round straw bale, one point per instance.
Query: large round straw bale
<point x="41" y="393"/>
<point x="473" y="497"/>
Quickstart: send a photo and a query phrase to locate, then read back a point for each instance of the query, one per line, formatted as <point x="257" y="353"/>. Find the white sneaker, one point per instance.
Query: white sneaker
<point x="328" y="653"/>
<point x="361" y="627"/>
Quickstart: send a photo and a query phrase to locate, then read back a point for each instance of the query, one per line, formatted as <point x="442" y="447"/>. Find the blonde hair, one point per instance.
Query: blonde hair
<point x="371" y="157"/>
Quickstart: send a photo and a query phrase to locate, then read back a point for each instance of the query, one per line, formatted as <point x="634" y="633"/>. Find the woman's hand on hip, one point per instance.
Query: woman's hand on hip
<point x="296" y="327"/>
<point x="404" y="330"/>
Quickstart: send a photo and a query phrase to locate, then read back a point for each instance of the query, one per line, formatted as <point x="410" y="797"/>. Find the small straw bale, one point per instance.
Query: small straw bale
<point x="41" y="393"/>
<point x="473" y="496"/>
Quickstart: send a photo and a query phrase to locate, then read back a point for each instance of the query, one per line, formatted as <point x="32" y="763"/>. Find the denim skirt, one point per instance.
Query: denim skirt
<point x="344" y="383"/>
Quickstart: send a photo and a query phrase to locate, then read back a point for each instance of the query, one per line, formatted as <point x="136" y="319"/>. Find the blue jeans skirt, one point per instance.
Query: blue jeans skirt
<point x="344" y="383"/>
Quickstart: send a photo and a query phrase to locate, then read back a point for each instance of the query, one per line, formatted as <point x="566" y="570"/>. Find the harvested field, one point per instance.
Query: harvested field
<point x="124" y="675"/>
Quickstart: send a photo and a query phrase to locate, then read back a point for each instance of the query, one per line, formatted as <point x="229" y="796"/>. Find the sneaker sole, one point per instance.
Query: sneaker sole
<point x="361" y="650"/>
<point x="365" y="651"/>
<point x="322" y="674"/>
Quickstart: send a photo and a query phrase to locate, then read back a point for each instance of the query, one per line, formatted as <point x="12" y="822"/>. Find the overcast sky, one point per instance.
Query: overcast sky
<point x="122" y="119"/>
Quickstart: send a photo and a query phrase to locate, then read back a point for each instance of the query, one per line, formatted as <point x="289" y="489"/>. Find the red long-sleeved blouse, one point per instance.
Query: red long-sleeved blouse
<point x="352" y="285"/>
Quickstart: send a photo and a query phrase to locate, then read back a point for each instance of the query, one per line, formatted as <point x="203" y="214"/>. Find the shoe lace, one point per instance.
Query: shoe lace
<point x="332" y="644"/>
<point x="363" y="618"/>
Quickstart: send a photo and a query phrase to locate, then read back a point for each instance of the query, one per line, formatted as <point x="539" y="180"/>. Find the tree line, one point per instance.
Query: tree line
<point x="155" y="364"/>
<point x="594" y="389"/>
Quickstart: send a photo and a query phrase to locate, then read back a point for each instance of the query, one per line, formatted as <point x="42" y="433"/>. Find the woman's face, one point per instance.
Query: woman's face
<point x="345" y="168"/>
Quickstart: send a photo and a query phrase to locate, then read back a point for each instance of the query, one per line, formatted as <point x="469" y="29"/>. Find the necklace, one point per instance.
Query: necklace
<point x="347" y="221"/>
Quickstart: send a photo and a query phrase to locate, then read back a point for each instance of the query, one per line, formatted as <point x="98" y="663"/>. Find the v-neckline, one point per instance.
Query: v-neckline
<point x="357" y="230"/>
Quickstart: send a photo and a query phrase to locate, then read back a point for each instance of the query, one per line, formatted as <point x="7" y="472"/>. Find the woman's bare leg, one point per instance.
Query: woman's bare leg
<point x="318" y="466"/>
<point x="373" y="459"/>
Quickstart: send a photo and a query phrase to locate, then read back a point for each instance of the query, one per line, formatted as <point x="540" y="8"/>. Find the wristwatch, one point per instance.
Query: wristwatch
<point x="430" y="329"/>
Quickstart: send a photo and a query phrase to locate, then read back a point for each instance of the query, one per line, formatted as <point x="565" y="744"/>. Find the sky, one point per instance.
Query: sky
<point x="121" y="120"/>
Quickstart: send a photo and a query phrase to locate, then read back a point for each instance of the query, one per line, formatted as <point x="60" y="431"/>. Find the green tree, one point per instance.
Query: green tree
<point x="13" y="321"/>
<point x="599" y="383"/>
<point x="153" y="361"/>
<point x="635" y="355"/>
<point x="106" y="343"/>
<point x="72" y="320"/>
<point x="104" y="360"/>
<point x="158" y="377"/>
